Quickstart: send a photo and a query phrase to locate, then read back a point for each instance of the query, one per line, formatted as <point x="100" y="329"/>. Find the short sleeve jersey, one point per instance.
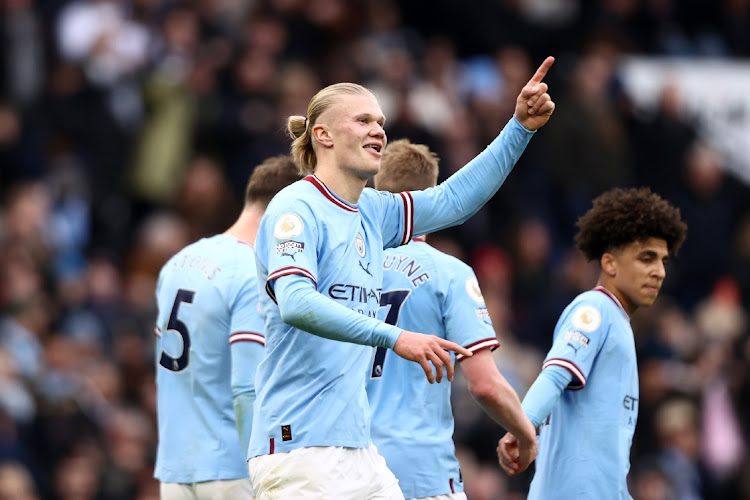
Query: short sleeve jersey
<point x="207" y="297"/>
<point x="424" y="290"/>
<point x="584" y="446"/>
<point x="312" y="389"/>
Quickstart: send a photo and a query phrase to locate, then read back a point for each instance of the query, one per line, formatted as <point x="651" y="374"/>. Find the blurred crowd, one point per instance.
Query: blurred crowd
<point x="128" y="129"/>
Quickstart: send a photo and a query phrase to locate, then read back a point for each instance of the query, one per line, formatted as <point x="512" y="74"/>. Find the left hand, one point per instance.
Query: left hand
<point x="509" y="455"/>
<point x="534" y="106"/>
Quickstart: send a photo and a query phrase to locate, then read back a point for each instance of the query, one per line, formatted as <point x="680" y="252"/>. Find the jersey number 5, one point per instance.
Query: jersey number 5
<point x="395" y="300"/>
<point x="167" y="361"/>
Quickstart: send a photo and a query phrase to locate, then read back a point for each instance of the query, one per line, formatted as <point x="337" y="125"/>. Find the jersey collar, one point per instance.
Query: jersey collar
<point x="333" y="197"/>
<point x="611" y="295"/>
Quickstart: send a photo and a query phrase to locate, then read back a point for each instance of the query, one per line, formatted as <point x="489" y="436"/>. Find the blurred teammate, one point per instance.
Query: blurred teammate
<point x="210" y="336"/>
<point x="587" y="430"/>
<point x="425" y="289"/>
<point x="319" y="252"/>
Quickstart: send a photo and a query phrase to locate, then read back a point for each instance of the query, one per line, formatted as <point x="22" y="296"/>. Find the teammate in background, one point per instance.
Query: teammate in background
<point x="319" y="252"/>
<point x="425" y="289"/>
<point x="210" y="336"/>
<point x="587" y="430"/>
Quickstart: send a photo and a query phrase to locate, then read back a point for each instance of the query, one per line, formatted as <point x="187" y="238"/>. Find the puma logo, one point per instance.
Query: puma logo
<point x="289" y="255"/>
<point x="365" y="269"/>
<point x="575" y="349"/>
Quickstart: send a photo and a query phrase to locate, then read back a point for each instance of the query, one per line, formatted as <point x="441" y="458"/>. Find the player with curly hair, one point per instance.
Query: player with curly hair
<point x="585" y="400"/>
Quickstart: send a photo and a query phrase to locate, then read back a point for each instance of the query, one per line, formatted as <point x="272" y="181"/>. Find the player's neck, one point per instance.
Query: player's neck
<point x="609" y="285"/>
<point x="245" y="228"/>
<point x="346" y="185"/>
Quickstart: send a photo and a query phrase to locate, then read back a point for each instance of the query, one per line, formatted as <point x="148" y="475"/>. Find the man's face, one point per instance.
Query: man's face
<point x="640" y="272"/>
<point x="355" y="125"/>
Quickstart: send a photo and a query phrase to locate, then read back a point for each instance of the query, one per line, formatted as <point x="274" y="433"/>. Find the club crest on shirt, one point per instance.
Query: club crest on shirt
<point x="289" y="225"/>
<point x="359" y="244"/>
<point x="587" y="318"/>
<point x="472" y="288"/>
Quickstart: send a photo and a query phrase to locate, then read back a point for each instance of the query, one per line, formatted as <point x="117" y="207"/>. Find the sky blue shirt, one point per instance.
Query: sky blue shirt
<point x="424" y="290"/>
<point x="312" y="387"/>
<point x="584" y="445"/>
<point x="207" y="296"/>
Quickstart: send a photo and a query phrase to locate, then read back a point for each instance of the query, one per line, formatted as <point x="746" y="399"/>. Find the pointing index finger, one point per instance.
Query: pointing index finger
<point x="541" y="72"/>
<point x="452" y="346"/>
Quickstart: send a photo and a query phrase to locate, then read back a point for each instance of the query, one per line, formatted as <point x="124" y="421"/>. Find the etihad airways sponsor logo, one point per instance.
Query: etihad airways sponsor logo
<point x="354" y="293"/>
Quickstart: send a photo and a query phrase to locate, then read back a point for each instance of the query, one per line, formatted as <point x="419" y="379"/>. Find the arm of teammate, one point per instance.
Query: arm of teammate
<point x="537" y="405"/>
<point x="498" y="399"/>
<point x="465" y="192"/>
<point x="246" y="355"/>
<point x="303" y="307"/>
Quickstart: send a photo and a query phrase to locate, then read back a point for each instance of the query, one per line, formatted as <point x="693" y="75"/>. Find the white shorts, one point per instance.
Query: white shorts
<point x="322" y="473"/>
<point x="228" y="489"/>
<point x="449" y="496"/>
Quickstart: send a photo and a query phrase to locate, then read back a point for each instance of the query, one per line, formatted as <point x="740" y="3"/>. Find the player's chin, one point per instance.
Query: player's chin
<point x="365" y="171"/>
<point x="649" y="297"/>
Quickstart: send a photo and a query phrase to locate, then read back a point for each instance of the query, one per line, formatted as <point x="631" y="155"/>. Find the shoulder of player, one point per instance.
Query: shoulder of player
<point x="297" y="195"/>
<point x="455" y="263"/>
<point x="590" y="309"/>
<point x="296" y="209"/>
<point x="371" y="197"/>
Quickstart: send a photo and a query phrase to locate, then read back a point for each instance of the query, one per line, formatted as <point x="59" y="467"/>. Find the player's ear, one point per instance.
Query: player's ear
<point x="609" y="264"/>
<point x="321" y="135"/>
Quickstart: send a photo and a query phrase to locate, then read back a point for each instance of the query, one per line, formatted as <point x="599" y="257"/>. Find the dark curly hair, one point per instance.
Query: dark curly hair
<point x="622" y="216"/>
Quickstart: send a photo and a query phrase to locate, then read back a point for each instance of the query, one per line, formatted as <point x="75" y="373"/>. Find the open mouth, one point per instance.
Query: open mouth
<point x="376" y="147"/>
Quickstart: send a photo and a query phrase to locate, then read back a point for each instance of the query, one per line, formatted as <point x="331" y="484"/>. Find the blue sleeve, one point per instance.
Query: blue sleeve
<point x="247" y="350"/>
<point x="465" y="192"/>
<point x="245" y="308"/>
<point x="580" y="335"/>
<point x="467" y="322"/>
<point x="394" y="211"/>
<point x="246" y="355"/>
<point x="544" y="393"/>
<point x="303" y="307"/>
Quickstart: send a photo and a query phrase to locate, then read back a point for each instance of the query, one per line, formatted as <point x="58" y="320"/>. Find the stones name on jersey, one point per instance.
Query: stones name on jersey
<point x="205" y="265"/>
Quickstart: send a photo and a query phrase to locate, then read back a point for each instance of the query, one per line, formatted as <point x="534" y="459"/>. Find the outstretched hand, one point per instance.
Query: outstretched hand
<point x="426" y="349"/>
<point x="515" y="455"/>
<point x="534" y="106"/>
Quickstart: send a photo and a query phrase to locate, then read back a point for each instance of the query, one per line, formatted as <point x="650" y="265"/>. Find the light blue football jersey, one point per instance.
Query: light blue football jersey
<point x="207" y="296"/>
<point x="424" y="290"/>
<point x="308" y="230"/>
<point x="312" y="389"/>
<point x="584" y="445"/>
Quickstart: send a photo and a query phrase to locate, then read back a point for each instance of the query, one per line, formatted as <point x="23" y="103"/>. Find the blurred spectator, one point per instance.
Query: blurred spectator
<point x="22" y="53"/>
<point x="678" y="434"/>
<point x="740" y="258"/>
<point x="664" y="140"/>
<point x="16" y="482"/>
<point x="163" y="145"/>
<point x="127" y="130"/>
<point x="649" y="482"/>
<point x="589" y="148"/>
<point x="204" y="199"/>
<point x="708" y="199"/>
